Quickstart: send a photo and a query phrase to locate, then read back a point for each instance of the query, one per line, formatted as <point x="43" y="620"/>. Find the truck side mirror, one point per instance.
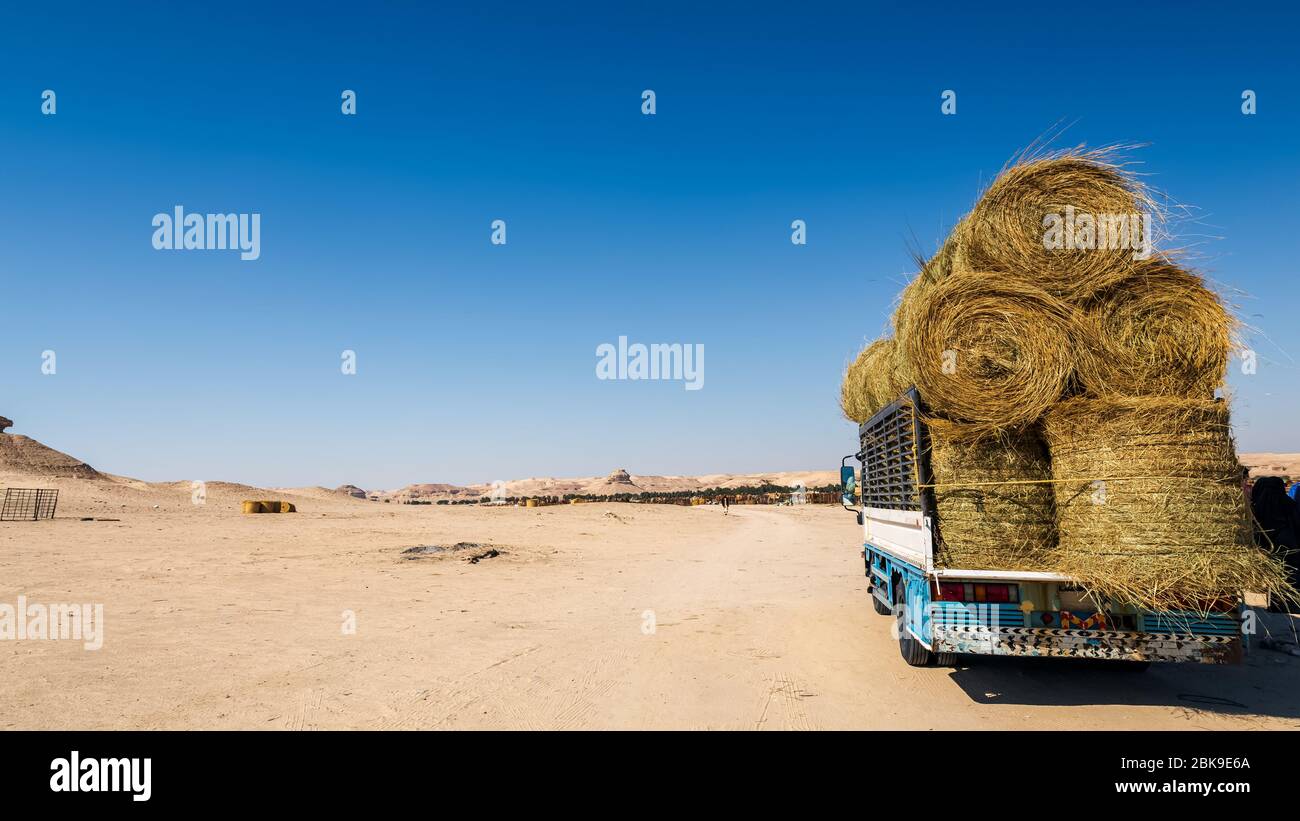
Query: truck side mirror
<point x="848" y="484"/>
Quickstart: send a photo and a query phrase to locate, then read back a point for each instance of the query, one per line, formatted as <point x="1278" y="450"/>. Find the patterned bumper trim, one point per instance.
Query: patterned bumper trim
<point x="1095" y="644"/>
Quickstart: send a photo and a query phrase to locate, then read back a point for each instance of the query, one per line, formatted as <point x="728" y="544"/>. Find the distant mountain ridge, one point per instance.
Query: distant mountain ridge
<point x="26" y="458"/>
<point x="616" y="482"/>
<point x="621" y="481"/>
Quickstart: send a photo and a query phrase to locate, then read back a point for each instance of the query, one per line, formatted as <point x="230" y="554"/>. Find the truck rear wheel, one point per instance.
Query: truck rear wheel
<point x="914" y="652"/>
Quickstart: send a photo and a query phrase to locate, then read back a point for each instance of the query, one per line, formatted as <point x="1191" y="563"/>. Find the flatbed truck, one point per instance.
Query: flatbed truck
<point x="943" y="612"/>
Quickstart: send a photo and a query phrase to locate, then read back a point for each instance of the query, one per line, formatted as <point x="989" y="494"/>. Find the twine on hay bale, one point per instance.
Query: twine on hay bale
<point x="1005" y="231"/>
<point x="994" y="498"/>
<point x="988" y="350"/>
<point x="1149" y="504"/>
<point x="1159" y="331"/>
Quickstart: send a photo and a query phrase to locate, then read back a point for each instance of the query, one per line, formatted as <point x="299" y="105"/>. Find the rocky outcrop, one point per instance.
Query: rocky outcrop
<point x="23" y="456"/>
<point x="5" y="423"/>
<point x="618" y="481"/>
<point x="430" y="491"/>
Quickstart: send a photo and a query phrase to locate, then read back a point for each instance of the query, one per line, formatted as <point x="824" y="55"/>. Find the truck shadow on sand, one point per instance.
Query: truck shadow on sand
<point x="1264" y="684"/>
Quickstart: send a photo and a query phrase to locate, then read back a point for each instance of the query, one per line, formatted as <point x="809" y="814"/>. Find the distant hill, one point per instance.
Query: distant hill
<point x="22" y="456"/>
<point x="1272" y="464"/>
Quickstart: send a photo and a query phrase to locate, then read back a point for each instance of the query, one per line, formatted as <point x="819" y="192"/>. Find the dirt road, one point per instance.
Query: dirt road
<point x="593" y="616"/>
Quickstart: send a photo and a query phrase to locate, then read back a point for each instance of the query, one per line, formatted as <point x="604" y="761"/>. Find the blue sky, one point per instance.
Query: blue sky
<point x="476" y="361"/>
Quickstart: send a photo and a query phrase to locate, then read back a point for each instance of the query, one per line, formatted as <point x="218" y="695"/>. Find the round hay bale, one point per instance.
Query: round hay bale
<point x="854" y="402"/>
<point x="1159" y="331"/>
<point x="986" y="526"/>
<point x="872" y="381"/>
<point x="985" y="349"/>
<point x="907" y="301"/>
<point x="1149" y="503"/>
<point x="948" y="259"/>
<point x="900" y="372"/>
<point x="1006" y="230"/>
<point x="888" y="378"/>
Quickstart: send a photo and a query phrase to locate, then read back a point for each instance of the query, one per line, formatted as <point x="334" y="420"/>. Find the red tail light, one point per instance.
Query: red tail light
<point x="952" y="591"/>
<point x="997" y="593"/>
<point x="972" y="592"/>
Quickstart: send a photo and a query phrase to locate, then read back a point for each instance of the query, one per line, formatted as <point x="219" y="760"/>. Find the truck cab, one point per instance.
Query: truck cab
<point x="941" y="612"/>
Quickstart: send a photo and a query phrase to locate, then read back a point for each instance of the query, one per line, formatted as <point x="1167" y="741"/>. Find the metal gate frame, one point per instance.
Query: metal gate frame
<point x="28" y="504"/>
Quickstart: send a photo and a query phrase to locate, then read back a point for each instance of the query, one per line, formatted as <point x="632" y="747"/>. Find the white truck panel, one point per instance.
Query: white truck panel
<point x="904" y="534"/>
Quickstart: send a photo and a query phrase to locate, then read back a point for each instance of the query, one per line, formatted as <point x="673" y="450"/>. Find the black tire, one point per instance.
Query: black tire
<point x="945" y="659"/>
<point x="913" y="651"/>
<point x="877" y="605"/>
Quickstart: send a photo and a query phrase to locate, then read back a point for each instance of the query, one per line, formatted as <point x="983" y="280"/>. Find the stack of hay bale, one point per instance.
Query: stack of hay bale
<point x="1071" y="392"/>
<point x="262" y="506"/>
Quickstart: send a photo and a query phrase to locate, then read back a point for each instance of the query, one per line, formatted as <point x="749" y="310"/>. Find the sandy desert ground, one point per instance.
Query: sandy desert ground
<point x="760" y="621"/>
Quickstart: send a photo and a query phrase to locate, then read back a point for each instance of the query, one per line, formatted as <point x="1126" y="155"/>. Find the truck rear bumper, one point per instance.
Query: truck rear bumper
<point x="1093" y="644"/>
